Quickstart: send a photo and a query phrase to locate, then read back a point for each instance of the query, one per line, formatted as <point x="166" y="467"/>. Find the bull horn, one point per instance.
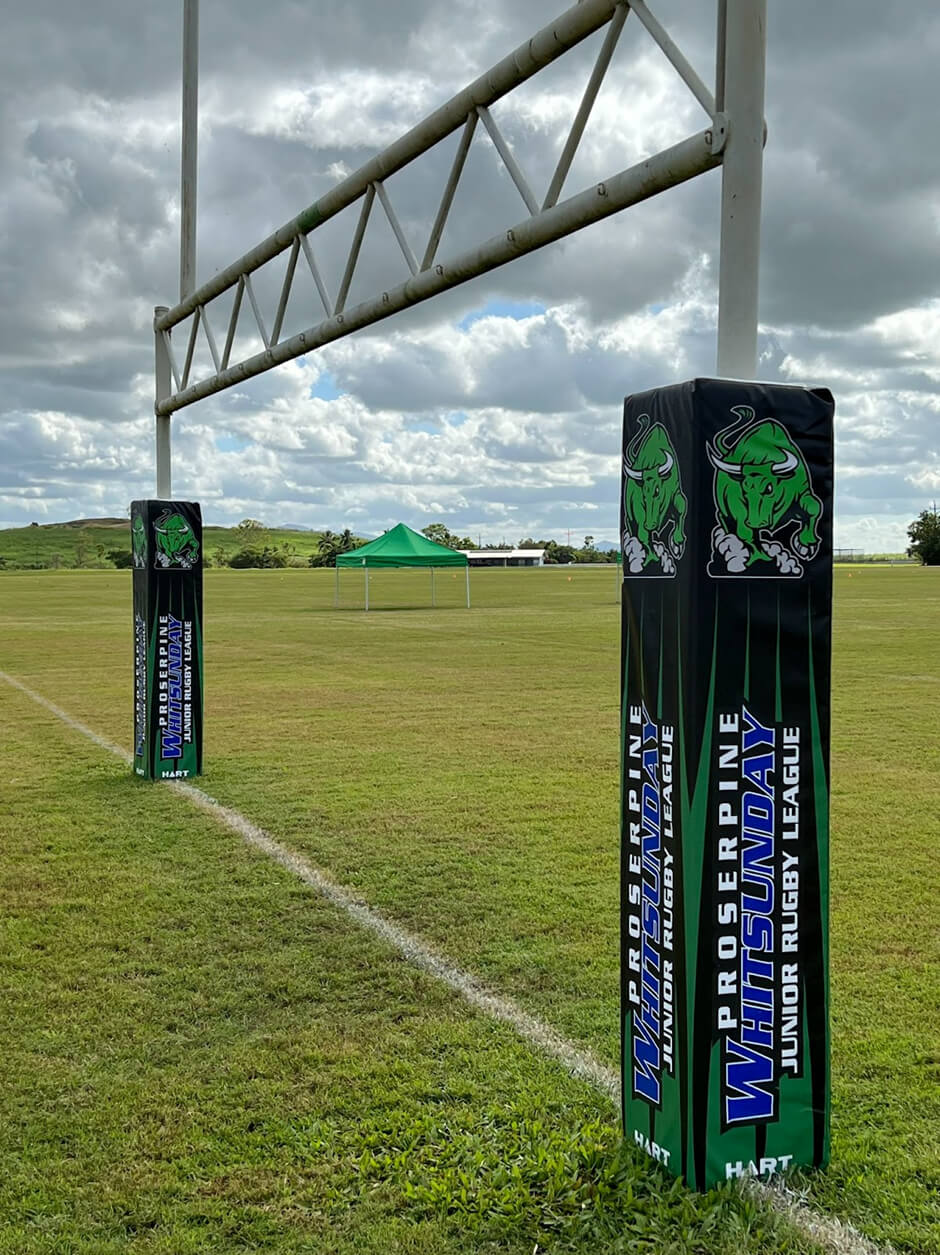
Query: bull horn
<point x="729" y="468"/>
<point x="789" y="463"/>
<point x="743" y="415"/>
<point x="643" y="424"/>
<point x="628" y="470"/>
<point x="667" y="465"/>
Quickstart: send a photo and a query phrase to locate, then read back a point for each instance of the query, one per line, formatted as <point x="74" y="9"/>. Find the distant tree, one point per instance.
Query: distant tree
<point x="331" y="544"/>
<point x="3" y="562"/>
<point x="267" y="558"/>
<point x="442" y="535"/>
<point x="589" y="542"/>
<point x="121" y="558"/>
<point x="218" y="556"/>
<point x="273" y="556"/>
<point x="82" y="549"/>
<point x="245" y="558"/>
<point x="252" y="534"/>
<point x="924" y="535"/>
<point x="562" y="554"/>
<point x="327" y="549"/>
<point x="528" y="543"/>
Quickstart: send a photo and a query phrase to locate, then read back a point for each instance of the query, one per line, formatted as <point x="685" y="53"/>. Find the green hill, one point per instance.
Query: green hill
<point x="88" y="543"/>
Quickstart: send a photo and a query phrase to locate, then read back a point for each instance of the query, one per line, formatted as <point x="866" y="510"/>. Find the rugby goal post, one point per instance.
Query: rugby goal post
<point x="732" y="137"/>
<point x="758" y="1102"/>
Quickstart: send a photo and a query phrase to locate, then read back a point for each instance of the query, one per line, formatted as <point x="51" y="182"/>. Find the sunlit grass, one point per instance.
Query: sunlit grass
<point x="460" y="769"/>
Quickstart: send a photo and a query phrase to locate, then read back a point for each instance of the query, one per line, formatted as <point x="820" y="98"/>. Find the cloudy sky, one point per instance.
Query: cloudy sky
<point x="495" y="408"/>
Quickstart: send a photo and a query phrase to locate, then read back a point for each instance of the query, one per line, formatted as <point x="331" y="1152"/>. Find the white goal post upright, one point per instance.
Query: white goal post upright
<point x="732" y="136"/>
<point x="739" y="92"/>
<point x="188" y="177"/>
<point x="188" y="163"/>
<point x="163" y="387"/>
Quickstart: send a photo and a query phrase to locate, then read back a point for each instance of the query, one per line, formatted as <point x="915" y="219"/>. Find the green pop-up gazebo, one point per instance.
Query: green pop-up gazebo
<point x="401" y="546"/>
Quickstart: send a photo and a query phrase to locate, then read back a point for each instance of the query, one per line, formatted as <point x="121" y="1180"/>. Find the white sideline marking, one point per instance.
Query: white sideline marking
<point x="840" y="1238"/>
<point x="579" y="1063"/>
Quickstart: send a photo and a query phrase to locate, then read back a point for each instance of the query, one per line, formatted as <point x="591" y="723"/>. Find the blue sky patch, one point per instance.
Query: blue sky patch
<point x="325" y="388"/>
<point x="502" y="309"/>
<point x="229" y="443"/>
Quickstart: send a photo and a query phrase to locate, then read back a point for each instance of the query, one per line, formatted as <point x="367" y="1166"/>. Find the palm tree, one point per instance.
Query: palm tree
<point x="328" y="548"/>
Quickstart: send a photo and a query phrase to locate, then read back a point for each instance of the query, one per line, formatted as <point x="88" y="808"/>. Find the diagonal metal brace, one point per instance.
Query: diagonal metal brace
<point x="667" y="169"/>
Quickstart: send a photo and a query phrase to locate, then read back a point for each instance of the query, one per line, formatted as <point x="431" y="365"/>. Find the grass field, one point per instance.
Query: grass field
<point x="201" y="1055"/>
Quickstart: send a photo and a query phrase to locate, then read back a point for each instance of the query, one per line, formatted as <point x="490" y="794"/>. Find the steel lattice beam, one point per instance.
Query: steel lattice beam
<point x="548" y="219"/>
<point x="667" y="169"/>
<point x="552" y="42"/>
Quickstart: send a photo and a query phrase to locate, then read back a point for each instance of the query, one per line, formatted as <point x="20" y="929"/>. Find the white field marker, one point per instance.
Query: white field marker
<point x="840" y="1238"/>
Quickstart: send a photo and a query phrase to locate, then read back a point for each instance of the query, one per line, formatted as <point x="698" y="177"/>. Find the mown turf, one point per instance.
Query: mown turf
<point x="200" y="1055"/>
<point x="461" y="770"/>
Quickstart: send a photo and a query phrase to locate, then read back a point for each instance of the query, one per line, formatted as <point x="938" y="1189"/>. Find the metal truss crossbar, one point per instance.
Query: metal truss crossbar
<point x="547" y="219"/>
<point x="667" y="169"/>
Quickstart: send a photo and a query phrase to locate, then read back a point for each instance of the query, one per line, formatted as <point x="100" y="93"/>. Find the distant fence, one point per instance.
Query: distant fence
<point x="859" y="555"/>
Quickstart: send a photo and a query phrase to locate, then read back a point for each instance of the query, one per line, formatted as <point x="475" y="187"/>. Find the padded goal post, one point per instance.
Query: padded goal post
<point x="726" y="523"/>
<point x="166" y="540"/>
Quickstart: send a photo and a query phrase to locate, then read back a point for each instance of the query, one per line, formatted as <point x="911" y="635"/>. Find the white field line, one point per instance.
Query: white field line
<point x="578" y="1062"/>
<point x="840" y="1238"/>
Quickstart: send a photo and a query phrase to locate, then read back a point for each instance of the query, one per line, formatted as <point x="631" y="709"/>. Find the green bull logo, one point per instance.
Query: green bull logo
<point x="166" y="540"/>
<point x="767" y="514"/>
<point x="139" y="542"/>
<point x="175" y="543"/>
<point x="654" y="506"/>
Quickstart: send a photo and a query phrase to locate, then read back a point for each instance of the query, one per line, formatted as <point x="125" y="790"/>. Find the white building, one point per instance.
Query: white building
<point x="505" y="557"/>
